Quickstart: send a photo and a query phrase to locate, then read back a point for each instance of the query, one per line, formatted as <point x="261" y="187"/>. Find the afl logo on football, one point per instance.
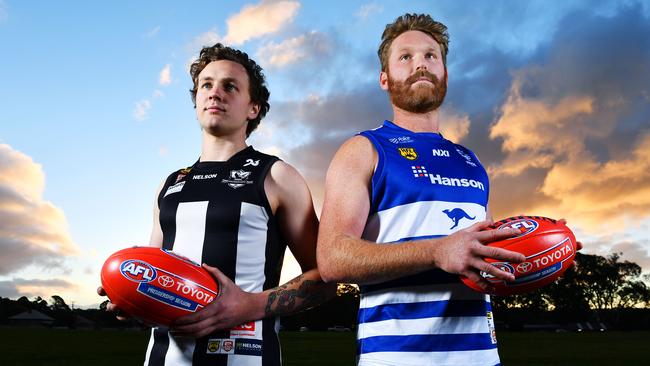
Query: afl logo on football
<point x="137" y="271"/>
<point x="506" y="267"/>
<point x="526" y="226"/>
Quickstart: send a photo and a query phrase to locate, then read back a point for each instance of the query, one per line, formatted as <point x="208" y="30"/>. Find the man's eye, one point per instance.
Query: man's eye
<point x="404" y="57"/>
<point x="230" y="87"/>
<point x="206" y="85"/>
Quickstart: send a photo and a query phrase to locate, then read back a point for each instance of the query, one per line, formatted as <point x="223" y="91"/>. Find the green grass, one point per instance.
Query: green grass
<point x="34" y="346"/>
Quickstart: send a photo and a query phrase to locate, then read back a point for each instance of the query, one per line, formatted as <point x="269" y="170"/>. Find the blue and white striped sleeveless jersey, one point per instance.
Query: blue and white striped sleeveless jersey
<point x="424" y="187"/>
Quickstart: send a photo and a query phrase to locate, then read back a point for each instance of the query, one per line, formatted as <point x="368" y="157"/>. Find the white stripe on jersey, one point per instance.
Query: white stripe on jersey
<point x="465" y="358"/>
<point x="251" y="253"/>
<point x="447" y="325"/>
<point x="190" y="229"/>
<point x="425" y="218"/>
<point x="249" y="269"/>
<point x="149" y="348"/>
<point x="424" y="293"/>
<point x="180" y="351"/>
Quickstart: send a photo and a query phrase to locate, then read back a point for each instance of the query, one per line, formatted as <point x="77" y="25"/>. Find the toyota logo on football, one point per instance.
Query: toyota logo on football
<point x="524" y="267"/>
<point x="166" y="281"/>
<point x="526" y="226"/>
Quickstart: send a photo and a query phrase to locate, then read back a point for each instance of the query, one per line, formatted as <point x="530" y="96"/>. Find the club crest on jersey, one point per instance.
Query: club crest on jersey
<point x="408" y="153"/>
<point x="468" y="159"/>
<point x="238" y="178"/>
<point x="137" y="271"/>
<point x="213" y="345"/>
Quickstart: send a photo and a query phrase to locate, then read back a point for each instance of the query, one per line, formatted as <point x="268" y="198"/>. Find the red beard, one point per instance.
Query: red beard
<point x="421" y="99"/>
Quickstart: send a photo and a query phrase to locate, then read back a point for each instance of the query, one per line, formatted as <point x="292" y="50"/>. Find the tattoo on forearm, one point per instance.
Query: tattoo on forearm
<point x="285" y="300"/>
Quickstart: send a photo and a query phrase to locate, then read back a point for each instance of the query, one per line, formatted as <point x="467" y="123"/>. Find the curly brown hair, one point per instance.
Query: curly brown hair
<point x="408" y="22"/>
<point x="257" y="89"/>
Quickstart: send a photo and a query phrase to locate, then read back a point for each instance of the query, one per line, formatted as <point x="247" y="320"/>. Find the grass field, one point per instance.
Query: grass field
<point x="27" y="347"/>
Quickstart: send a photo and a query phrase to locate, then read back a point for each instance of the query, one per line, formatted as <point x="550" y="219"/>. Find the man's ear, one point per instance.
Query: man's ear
<point x="383" y="80"/>
<point x="253" y="111"/>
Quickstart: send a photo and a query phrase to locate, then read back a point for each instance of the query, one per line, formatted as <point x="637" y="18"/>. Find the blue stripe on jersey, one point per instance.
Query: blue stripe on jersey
<point x="426" y="343"/>
<point x="420" y="310"/>
<point x="411" y="238"/>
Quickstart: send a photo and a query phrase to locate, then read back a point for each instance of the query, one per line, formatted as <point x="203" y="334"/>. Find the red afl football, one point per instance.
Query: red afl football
<point x="549" y="246"/>
<point x="156" y="285"/>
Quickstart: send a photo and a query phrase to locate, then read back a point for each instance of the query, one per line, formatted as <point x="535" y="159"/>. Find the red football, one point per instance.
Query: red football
<point x="549" y="247"/>
<point x="156" y="285"/>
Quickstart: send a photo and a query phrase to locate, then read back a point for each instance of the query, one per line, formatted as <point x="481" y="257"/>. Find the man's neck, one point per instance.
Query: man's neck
<point x="220" y="148"/>
<point x="417" y="122"/>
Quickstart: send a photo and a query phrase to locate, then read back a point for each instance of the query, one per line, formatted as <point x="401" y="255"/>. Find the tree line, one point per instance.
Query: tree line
<point x="599" y="289"/>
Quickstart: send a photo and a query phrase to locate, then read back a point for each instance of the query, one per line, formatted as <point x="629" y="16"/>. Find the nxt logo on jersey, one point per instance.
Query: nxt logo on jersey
<point x="408" y="152"/>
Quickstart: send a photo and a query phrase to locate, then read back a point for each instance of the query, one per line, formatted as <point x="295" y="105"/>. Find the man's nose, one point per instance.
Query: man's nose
<point x="420" y="63"/>
<point x="215" y="94"/>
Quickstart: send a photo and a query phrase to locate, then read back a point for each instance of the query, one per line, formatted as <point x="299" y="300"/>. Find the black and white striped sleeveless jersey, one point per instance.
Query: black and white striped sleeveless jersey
<point x="218" y="213"/>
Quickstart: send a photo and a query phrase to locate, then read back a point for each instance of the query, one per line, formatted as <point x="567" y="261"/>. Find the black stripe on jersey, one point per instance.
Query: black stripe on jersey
<point x="159" y="349"/>
<point x="270" y="343"/>
<point x="224" y="254"/>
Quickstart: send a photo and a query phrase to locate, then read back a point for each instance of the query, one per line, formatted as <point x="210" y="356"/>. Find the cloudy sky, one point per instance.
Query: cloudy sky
<point x="554" y="97"/>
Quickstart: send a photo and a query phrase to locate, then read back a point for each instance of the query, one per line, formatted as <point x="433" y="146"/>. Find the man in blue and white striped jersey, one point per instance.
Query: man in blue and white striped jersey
<point x="404" y="214"/>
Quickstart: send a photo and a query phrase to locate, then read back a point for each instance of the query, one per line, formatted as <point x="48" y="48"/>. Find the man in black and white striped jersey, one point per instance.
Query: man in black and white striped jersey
<point x="235" y="210"/>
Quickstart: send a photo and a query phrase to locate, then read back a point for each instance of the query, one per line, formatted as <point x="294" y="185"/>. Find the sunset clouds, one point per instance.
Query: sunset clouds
<point x="257" y="20"/>
<point x="566" y="125"/>
<point x="32" y="231"/>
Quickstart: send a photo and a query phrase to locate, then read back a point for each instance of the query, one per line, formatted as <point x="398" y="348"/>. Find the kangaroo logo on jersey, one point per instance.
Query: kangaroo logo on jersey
<point x="468" y="159"/>
<point x="456" y="215"/>
<point x="238" y="178"/>
<point x="408" y="152"/>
